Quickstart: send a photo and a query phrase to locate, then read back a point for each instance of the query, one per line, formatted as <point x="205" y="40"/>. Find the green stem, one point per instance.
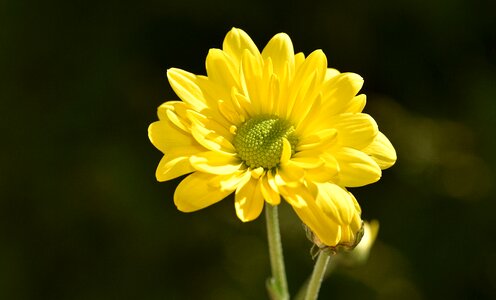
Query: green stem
<point x="300" y="295"/>
<point x="277" y="284"/>
<point x="317" y="276"/>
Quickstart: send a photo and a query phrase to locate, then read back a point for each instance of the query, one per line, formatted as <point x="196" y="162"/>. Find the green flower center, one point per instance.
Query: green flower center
<point x="258" y="141"/>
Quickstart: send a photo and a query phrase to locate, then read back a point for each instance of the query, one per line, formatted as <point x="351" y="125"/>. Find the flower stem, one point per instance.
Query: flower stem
<point x="317" y="276"/>
<point x="331" y="266"/>
<point x="277" y="284"/>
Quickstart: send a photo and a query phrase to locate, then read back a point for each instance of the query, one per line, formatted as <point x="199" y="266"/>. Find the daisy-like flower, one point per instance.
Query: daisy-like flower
<point x="270" y="124"/>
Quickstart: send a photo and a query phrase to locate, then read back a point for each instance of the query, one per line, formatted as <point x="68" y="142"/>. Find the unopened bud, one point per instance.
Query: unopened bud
<point x="335" y="249"/>
<point x="360" y="254"/>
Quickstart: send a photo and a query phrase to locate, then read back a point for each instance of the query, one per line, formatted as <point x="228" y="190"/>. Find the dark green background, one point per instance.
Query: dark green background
<point x="82" y="217"/>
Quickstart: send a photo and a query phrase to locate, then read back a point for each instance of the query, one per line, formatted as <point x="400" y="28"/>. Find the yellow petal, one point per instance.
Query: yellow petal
<point x="212" y="91"/>
<point x="382" y="151"/>
<point x="229" y="112"/>
<point x="243" y="104"/>
<point x="356" y="168"/>
<point x="309" y="159"/>
<point x="299" y="59"/>
<point x="186" y="87"/>
<point x="164" y="107"/>
<point x="289" y="180"/>
<point x="211" y="140"/>
<point x="312" y="121"/>
<point x="173" y="167"/>
<point x="330" y="73"/>
<point x="315" y="62"/>
<point x="302" y="102"/>
<point x="177" y="146"/>
<point x="354" y="130"/>
<point x="357" y="104"/>
<point x="336" y="202"/>
<point x="229" y="182"/>
<point x="249" y="200"/>
<point x="357" y="206"/>
<point x="289" y="174"/>
<point x="296" y="194"/>
<point x="251" y="81"/>
<point x="280" y="50"/>
<point x="196" y="192"/>
<point x="215" y="163"/>
<point x="257" y="172"/>
<point x="210" y="134"/>
<point x="306" y="84"/>
<point x="271" y="179"/>
<point x="168" y="138"/>
<point x="270" y="195"/>
<point x="317" y="140"/>
<point x="175" y="111"/>
<point x="339" y="91"/>
<point x="281" y="85"/>
<point x="274" y="96"/>
<point x="324" y="173"/>
<point x="328" y="230"/>
<point x="269" y="87"/>
<point x="220" y="69"/>
<point x="286" y="151"/>
<point x="236" y="42"/>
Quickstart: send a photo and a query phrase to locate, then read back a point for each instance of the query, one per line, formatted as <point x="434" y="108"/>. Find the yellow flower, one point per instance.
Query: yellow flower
<point x="271" y="124"/>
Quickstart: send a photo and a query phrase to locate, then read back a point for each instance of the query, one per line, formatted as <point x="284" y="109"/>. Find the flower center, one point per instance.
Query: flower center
<point x="258" y="141"/>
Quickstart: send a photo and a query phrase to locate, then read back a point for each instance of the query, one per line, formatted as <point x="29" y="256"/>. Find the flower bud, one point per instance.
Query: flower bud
<point x="360" y="254"/>
<point x="332" y="250"/>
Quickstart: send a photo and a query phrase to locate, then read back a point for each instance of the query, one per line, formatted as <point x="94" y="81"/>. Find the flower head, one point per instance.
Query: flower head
<point x="270" y="124"/>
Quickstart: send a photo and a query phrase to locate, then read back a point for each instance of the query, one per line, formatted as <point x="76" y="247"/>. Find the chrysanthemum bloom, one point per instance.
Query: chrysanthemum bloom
<point x="271" y="124"/>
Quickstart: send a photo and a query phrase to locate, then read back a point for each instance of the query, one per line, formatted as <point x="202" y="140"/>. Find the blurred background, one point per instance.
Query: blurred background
<point x="82" y="216"/>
